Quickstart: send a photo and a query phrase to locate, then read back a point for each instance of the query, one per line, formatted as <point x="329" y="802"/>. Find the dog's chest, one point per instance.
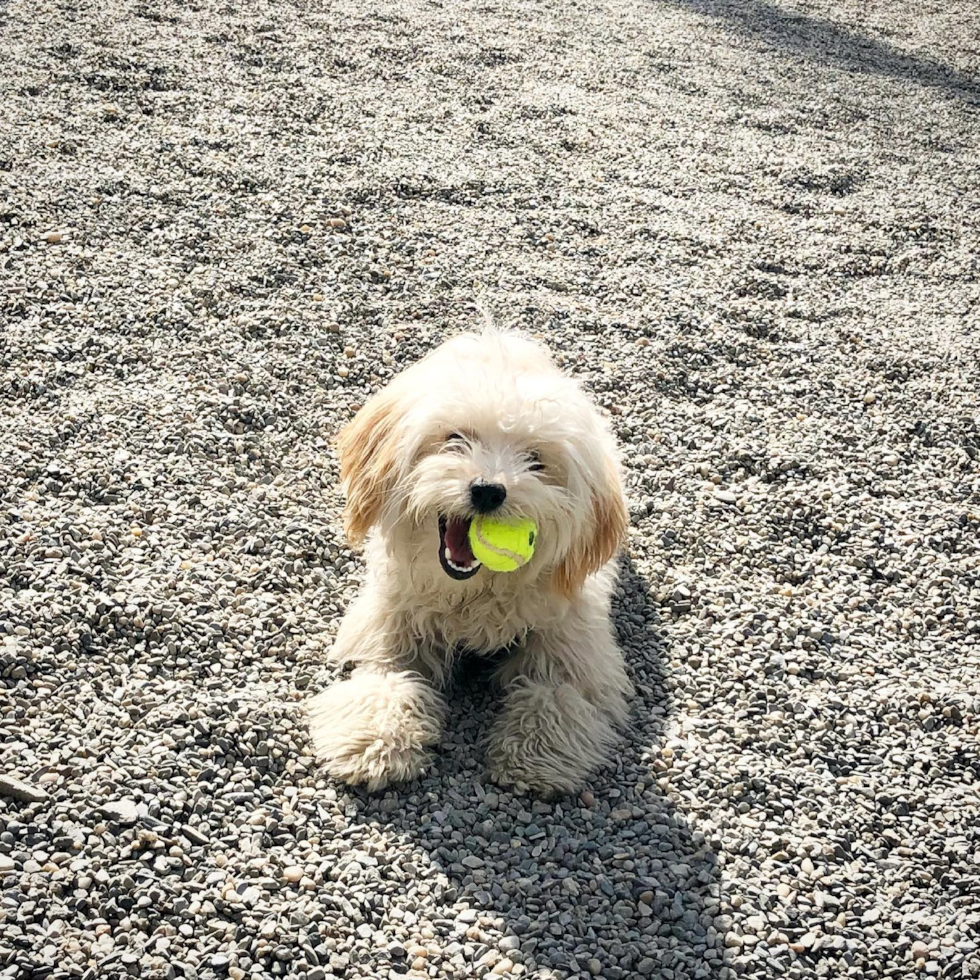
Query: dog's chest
<point x="484" y="622"/>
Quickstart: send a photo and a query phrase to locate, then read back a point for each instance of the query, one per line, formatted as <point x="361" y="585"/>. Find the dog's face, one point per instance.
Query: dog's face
<point x="485" y="425"/>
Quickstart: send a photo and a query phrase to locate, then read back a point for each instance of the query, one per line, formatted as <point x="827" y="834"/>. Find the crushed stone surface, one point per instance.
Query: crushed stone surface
<point x="749" y="228"/>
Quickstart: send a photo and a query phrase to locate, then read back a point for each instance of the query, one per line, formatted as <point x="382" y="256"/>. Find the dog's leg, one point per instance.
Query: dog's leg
<point x="565" y="695"/>
<point x="375" y="728"/>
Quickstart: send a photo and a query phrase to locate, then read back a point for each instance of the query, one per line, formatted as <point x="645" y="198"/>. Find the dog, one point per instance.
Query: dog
<point x="486" y="424"/>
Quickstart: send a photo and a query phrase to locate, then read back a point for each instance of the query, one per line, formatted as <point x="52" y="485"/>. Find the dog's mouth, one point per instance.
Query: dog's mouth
<point x="455" y="554"/>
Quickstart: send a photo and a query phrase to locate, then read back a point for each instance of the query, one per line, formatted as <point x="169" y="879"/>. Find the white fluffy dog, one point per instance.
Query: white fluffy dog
<point x="486" y="424"/>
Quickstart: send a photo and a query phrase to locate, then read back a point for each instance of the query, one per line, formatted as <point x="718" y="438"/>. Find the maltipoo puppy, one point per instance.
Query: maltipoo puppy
<point x="484" y="425"/>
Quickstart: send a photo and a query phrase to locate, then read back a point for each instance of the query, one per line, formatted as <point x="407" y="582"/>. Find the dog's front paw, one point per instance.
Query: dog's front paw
<point x="548" y="739"/>
<point x="375" y="728"/>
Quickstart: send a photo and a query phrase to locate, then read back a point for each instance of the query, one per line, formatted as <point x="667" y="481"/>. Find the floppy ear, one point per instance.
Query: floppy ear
<point x="367" y="448"/>
<point x="600" y="541"/>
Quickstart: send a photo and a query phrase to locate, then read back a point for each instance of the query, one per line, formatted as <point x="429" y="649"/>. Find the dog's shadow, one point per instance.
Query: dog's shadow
<point x="614" y="882"/>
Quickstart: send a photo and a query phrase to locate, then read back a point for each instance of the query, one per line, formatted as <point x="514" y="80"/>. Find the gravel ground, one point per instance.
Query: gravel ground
<point x="750" y="228"/>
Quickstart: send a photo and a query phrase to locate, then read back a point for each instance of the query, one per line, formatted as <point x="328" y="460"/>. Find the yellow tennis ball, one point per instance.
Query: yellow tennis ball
<point x="503" y="546"/>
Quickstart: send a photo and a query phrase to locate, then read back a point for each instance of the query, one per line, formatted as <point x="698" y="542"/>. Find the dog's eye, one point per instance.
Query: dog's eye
<point x="534" y="463"/>
<point x="455" y="441"/>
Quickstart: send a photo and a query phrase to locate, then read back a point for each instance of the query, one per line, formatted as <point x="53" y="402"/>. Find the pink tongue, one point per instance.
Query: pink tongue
<point x="458" y="542"/>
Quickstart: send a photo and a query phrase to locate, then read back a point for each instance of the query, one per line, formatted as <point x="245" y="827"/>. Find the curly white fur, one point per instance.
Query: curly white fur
<point x="491" y="407"/>
<point x="376" y="727"/>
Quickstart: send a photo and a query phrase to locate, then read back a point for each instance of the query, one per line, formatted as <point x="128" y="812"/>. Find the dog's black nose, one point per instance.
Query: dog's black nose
<point x="487" y="496"/>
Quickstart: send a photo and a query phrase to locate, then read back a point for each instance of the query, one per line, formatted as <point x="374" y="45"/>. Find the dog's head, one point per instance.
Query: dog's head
<point x="485" y="424"/>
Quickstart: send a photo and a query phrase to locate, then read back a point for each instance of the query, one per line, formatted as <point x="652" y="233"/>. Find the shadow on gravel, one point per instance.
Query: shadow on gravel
<point x="827" y="42"/>
<point x="623" y="880"/>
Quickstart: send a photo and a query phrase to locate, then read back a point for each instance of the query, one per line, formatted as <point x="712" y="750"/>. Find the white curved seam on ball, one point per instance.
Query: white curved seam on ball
<point x="503" y="552"/>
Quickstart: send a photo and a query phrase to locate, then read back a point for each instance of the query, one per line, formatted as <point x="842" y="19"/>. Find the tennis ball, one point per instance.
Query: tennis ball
<point x="503" y="546"/>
